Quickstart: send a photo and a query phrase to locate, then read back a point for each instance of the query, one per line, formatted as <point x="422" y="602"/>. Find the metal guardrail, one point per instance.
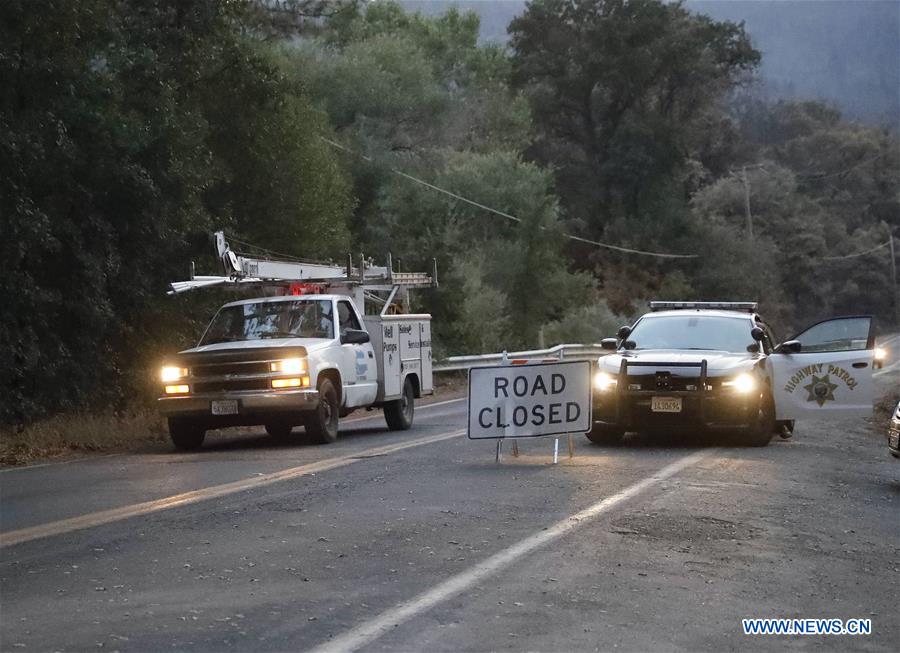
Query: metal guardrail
<point x="559" y="352"/>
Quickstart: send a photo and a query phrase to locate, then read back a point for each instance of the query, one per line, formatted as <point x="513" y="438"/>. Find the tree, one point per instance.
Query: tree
<point x="620" y="91"/>
<point x="126" y="130"/>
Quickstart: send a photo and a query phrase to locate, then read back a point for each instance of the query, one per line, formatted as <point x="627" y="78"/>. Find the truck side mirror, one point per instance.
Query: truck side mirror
<point x="609" y="343"/>
<point x="757" y="333"/>
<point x="789" y="347"/>
<point x="623" y="332"/>
<point x="355" y="337"/>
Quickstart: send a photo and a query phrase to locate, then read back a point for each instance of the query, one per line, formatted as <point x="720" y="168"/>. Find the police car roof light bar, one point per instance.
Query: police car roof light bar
<point x="749" y="307"/>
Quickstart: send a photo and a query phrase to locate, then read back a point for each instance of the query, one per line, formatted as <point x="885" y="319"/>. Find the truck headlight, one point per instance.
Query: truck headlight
<point x="170" y="373"/>
<point x="291" y="382"/>
<point x="880" y="354"/>
<point x="742" y="383"/>
<point x="604" y="381"/>
<point x="289" y="366"/>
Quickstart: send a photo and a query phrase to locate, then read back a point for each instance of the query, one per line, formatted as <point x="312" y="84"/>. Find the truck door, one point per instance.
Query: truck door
<point x="358" y="370"/>
<point x="826" y="370"/>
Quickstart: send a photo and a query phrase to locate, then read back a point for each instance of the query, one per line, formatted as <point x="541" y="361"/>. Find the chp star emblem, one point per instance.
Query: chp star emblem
<point x="821" y="389"/>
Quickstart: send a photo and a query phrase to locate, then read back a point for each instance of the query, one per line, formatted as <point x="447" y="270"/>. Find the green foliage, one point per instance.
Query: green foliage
<point x="125" y="131"/>
<point x="621" y="92"/>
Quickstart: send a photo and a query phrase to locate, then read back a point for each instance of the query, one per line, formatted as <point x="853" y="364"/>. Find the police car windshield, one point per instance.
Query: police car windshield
<point x="302" y="318"/>
<point x="692" y="331"/>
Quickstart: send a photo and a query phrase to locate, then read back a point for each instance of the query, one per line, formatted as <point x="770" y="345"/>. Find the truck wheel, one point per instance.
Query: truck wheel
<point x="399" y="413"/>
<point x="322" y="423"/>
<point x="605" y="435"/>
<point x="186" y="434"/>
<point x="762" y="431"/>
<point x="279" y="430"/>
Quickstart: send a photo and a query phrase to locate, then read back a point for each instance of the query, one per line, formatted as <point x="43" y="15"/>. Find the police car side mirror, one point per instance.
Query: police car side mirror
<point x="757" y="334"/>
<point x="354" y="337"/>
<point x="609" y="343"/>
<point x="623" y="332"/>
<point x="789" y="347"/>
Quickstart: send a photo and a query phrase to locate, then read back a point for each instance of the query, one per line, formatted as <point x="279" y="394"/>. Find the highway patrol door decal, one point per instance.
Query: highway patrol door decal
<point x="831" y="376"/>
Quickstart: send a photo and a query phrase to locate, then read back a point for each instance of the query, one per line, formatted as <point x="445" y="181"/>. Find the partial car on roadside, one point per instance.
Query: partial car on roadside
<point x="894" y="433"/>
<point x="716" y="366"/>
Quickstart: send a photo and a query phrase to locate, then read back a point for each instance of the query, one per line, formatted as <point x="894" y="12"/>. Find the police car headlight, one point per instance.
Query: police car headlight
<point x="880" y="353"/>
<point x="604" y="381"/>
<point x="169" y="373"/>
<point x="289" y="366"/>
<point x="742" y="383"/>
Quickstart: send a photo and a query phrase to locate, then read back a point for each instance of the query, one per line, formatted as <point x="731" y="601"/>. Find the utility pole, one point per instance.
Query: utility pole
<point x="894" y="279"/>
<point x="747" y="202"/>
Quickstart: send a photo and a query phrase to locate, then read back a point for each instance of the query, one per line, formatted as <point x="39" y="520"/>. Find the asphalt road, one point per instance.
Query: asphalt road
<point x="418" y="541"/>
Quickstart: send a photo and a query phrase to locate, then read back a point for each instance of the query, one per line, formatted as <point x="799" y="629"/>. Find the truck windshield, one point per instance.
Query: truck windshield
<point x="693" y="332"/>
<point x="301" y="318"/>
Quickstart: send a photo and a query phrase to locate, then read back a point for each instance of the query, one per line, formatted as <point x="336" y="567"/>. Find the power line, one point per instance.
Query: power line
<point x="868" y="251"/>
<point x="503" y="214"/>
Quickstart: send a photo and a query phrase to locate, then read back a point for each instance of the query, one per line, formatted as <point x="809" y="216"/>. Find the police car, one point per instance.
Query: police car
<point x="688" y="366"/>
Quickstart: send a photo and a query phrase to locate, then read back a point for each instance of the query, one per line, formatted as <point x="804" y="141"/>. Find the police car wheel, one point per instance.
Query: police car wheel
<point x="322" y="423"/>
<point x="762" y="431"/>
<point x="399" y="414"/>
<point x="186" y="434"/>
<point x="605" y="435"/>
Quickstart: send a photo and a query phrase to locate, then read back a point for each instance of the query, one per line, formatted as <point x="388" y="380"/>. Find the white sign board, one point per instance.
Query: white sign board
<point x="527" y="401"/>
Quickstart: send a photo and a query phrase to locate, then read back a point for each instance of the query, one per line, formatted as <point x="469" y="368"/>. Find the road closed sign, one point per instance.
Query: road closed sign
<point x="527" y="401"/>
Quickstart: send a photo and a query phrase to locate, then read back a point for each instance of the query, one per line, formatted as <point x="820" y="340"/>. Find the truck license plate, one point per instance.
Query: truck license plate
<point x="225" y="407"/>
<point x="665" y="404"/>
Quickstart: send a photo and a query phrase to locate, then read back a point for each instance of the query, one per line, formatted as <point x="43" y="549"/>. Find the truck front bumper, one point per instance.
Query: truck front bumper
<point x="249" y="403"/>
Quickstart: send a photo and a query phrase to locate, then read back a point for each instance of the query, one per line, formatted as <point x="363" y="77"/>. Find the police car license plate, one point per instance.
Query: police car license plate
<point x="665" y="404"/>
<point x="225" y="407"/>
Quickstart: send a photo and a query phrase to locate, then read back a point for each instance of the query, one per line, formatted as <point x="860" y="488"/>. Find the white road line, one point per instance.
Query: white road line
<point x="371" y="630"/>
<point x="110" y="455"/>
<point x="133" y="510"/>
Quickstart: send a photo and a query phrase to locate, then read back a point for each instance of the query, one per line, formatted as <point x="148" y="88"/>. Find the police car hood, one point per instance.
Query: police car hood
<point x="718" y="363"/>
<point x="310" y="344"/>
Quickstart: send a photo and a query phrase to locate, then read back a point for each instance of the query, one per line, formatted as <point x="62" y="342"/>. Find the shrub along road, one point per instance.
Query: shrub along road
<point x="419" y="541"/>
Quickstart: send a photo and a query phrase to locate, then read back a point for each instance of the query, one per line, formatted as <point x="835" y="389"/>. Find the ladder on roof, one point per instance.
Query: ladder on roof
<point x="243" y="270"/>
<point x="364" y="282"/>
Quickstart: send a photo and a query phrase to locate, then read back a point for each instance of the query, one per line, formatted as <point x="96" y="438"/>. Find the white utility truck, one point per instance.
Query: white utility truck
<point x="306" y="354"/>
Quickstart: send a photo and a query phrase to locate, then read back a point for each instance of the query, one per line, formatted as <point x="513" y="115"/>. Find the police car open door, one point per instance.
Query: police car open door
<point x="826" y="370"/>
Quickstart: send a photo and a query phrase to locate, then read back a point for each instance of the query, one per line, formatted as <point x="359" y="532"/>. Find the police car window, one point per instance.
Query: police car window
<point x="842" y="334"/>
<point x="707" y="332"/>
<point x="347" y="317"/>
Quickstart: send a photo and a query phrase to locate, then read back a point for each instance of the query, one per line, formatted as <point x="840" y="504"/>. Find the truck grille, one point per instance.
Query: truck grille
<point x="234" y="370"/>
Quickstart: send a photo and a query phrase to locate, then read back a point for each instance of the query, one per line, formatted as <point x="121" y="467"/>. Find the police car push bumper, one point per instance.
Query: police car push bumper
<point x="693" y="399"/>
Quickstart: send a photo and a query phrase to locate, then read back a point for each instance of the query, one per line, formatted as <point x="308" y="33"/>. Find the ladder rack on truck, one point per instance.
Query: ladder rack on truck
<point x="306" y="353"/>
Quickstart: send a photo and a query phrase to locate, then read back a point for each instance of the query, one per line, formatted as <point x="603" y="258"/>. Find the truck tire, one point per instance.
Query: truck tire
<point x="399" y="413"/>
<point x="605" y="435"/>
<point x="186" y="434"/>
<point x="322" y="423"/>
<point x="760" y="434"/>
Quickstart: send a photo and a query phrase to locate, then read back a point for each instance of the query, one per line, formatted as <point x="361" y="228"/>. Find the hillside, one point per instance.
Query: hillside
<point x="842" y="51"/>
